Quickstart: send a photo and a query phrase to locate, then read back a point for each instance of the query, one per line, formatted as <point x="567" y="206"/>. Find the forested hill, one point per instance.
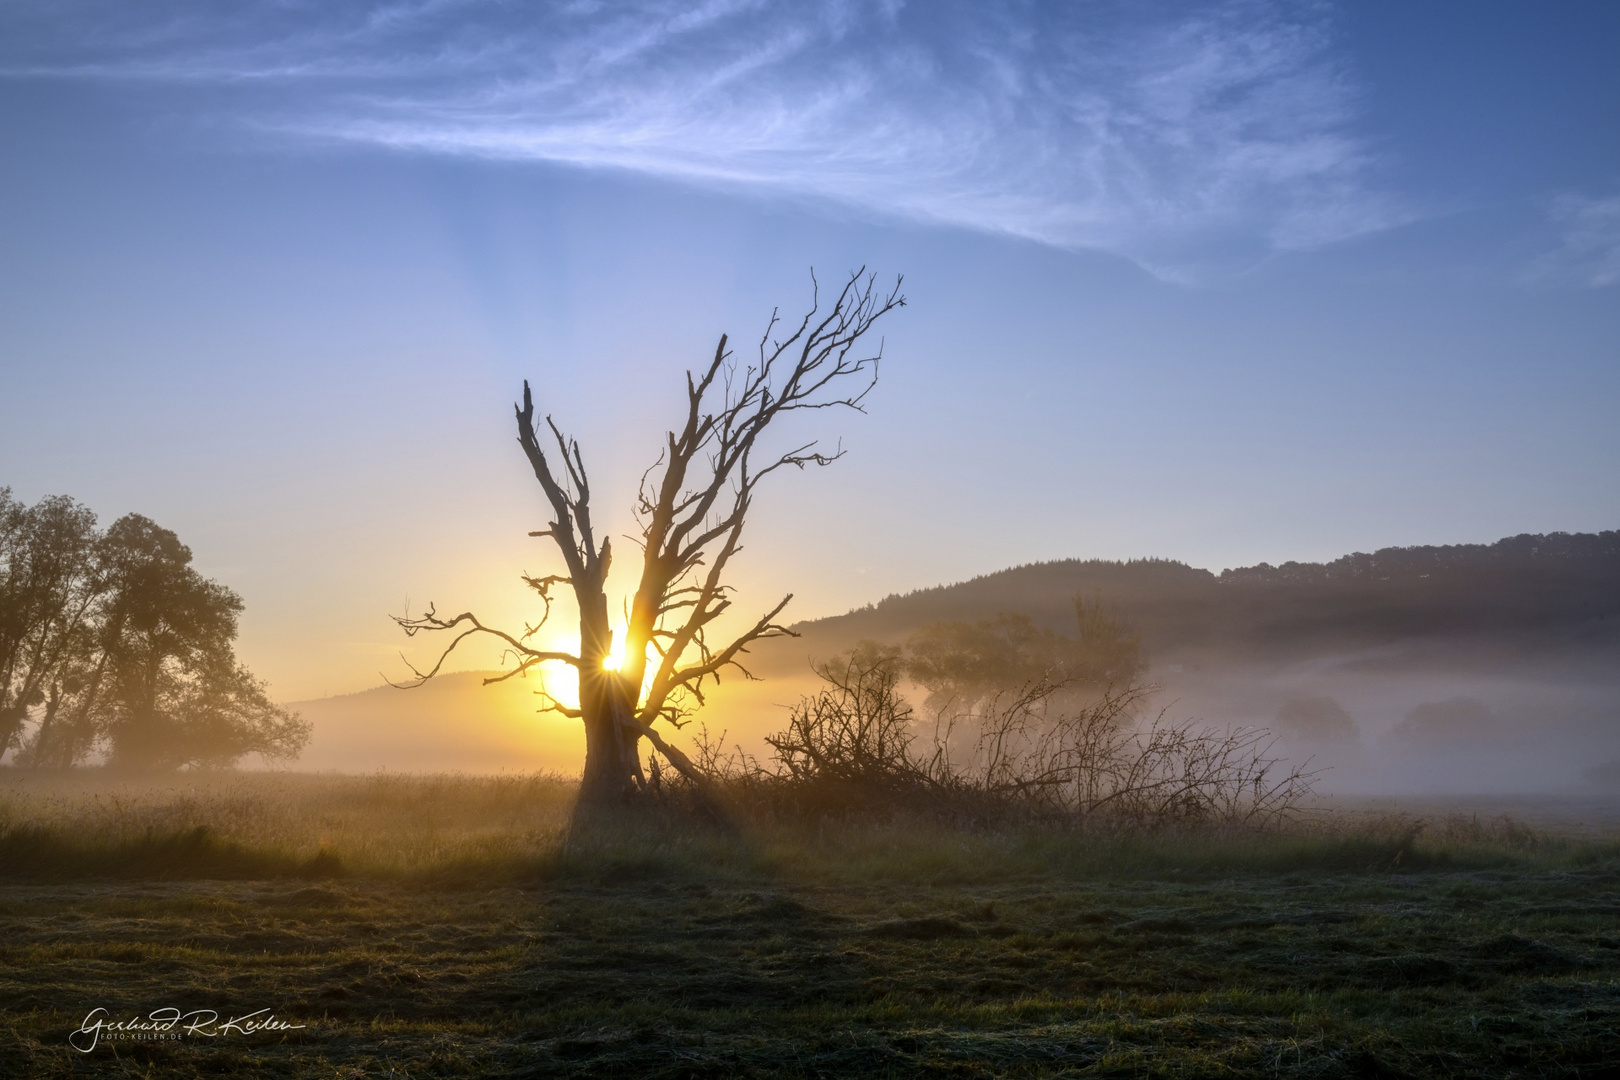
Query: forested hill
<point x="1555" y="590"/>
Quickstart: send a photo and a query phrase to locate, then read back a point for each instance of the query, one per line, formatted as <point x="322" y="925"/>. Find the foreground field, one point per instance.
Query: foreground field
<point x="467" y="927"/>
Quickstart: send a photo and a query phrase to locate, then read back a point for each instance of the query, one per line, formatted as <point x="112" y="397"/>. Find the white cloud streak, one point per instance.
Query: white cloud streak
<point x="1181" y="136"/>
<point x="1588" y="250"/>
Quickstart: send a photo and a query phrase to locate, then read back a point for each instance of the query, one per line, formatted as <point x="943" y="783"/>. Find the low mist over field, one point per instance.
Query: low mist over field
<point x="453" y="724"/>
<point x="1468" y="669"/>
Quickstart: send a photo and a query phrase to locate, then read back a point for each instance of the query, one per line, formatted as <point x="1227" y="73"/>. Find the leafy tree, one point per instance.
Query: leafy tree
<point x="114" y="642"/>
<point x="49" y="590"/>
<point x="176" y="695"/>
<point x="1110" y="651"/>
<point x="1456" y="721"/>
<point x="1315" y="719"/>
<point x="962" y="664"/>
<point x="690" y="511"/>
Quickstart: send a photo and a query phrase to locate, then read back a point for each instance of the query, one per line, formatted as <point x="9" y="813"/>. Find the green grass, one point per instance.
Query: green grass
<point x="428" y="927"/>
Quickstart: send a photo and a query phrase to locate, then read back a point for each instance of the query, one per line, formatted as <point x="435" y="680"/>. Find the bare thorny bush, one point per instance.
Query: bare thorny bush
<point x="1039" y="751"/>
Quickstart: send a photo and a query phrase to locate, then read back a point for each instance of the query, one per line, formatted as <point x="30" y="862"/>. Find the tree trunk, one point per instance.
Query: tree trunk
<point x="612" y="758"/>
<point x="12" y="718"/>
<point x="612" y="755"/>
<point x="46" y="732"/>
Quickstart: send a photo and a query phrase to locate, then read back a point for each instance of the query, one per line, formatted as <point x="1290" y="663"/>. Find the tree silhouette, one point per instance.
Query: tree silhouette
<point x="114" y="642"/>
<point x="49" y="590"/>
<point x="691" y="509"/>
<point x="1438" y="725"/>
<point x="963" y="664"/>
<point x="1315" y="719"/>
<point x="176" y="694"/>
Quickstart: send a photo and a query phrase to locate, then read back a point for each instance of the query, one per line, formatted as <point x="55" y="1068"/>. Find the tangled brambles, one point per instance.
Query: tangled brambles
<point x="857" y="746"/>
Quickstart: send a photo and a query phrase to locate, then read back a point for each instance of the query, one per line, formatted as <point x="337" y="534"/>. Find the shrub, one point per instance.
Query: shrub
<point x="855" y="746"/>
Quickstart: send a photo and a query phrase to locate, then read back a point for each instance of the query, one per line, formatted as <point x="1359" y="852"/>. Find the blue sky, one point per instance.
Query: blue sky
<point x="1218" y="282"/>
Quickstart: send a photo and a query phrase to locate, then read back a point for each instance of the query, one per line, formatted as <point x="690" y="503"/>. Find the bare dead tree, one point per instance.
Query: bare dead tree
<point x="691" y="509"/>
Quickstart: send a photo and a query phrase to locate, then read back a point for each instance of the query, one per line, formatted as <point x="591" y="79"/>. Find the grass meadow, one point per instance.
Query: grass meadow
<point x="427" y="926"/>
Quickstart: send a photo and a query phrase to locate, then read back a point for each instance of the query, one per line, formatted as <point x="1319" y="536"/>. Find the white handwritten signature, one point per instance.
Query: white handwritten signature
<point x="173" y="1023"/>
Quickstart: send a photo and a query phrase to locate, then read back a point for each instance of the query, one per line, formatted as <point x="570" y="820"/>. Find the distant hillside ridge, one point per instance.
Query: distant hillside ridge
<point x="1528" y="556"/>
<point x="1553" y="589"/>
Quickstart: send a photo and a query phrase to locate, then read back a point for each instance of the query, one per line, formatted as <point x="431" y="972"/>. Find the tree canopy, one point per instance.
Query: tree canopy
<point x="112" y="644"/>
<point x="961" y="664"/>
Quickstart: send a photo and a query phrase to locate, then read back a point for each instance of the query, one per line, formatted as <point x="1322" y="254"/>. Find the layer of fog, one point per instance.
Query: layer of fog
<point x="1381" y="722"/>
<point x="1376" y="723"/>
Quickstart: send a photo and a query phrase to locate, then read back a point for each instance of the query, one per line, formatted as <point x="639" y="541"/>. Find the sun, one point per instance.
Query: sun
<point x="560" y="682"/>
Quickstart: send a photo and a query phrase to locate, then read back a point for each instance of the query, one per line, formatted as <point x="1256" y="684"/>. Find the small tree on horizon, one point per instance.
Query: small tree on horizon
<point x="690" y="510"/>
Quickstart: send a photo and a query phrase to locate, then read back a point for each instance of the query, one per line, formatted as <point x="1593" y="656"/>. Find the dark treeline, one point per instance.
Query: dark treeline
<point x="113" y="646"/>
<point x="1556" y="590"/>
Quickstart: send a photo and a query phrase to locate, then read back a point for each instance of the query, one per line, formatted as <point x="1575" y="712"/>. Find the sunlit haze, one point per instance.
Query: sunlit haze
<point x="1225" y="283"/>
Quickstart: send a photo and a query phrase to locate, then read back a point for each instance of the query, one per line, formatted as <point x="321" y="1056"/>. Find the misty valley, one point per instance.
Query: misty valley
<point x="1084" y="818"/>
<point x="1076" y="818"/>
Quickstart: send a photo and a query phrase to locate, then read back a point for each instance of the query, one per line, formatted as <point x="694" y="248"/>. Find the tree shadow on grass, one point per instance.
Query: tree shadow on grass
<point x="665" y="946"/>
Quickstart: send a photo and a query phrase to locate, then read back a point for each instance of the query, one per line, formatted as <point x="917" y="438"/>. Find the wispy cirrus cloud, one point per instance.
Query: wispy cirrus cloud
<point x="1588" y="247"/>
<point x="1176" y="135"/>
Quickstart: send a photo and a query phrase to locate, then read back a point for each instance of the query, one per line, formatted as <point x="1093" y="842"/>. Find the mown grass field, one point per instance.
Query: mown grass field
<point x="423" y="927"/>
